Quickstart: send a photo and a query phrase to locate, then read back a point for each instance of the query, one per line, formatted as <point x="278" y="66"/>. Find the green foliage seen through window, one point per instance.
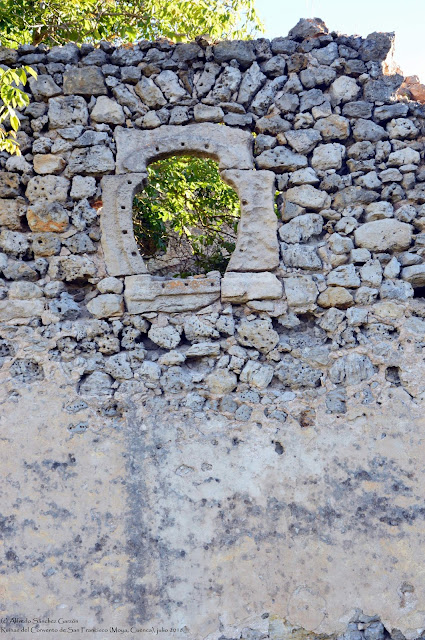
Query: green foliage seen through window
<point x="187" y="198"/>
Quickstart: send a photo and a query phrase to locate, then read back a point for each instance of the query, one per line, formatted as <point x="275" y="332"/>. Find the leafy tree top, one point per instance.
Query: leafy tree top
<point x="55" y="22"/>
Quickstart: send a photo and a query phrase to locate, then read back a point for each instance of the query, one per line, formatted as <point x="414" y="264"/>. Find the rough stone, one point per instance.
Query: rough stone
<point x="47" y="217"/>
<point x="351" y="369"/>
<point x="309" y="197"/>
<point x="281" y="159"/>
<point x="242" y="287"/>
<point x="301" y="228"/>
<point x="258" y="333"/>
<point x="328" y="156"/>
<point x="384" y="235"/>
<point x="87" y="81"/>
<point x="333" y="128"/>
<point x="48" y="163"/>
<point x="296" y="374"/>
<point x="67" y="111"/>
<point x="164" y="337"/>
<point x="335" y="297"/>
<point x="304" y="140"/>
<point x="301" y="292"/>
<point x="107" y="110"/>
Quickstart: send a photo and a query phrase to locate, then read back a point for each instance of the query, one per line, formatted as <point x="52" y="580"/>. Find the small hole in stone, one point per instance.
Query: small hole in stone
<point x="278" y="447"/>
<point x="129" y="182"/>
<point x="207" y="146"/>
<point x="134" y="253"/>
<point x="124" y="231"/>
<point x="244" y="202"/>
<point x="123" y="206"/>
<point x="419" y="292"/>
<point x="182" y="144"/>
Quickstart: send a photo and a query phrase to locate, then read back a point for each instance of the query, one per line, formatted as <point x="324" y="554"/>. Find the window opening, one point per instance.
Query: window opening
<point x="185" y="219"/>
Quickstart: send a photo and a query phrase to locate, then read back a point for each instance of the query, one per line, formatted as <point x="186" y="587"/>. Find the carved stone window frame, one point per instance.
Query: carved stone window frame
<point x="256" y="248"/>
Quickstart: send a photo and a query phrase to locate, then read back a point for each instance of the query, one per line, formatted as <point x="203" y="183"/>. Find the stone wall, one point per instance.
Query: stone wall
<point x="234" y="457"/>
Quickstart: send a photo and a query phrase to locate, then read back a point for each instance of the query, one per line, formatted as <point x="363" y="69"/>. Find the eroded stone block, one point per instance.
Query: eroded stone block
<point x="143" y="293"/>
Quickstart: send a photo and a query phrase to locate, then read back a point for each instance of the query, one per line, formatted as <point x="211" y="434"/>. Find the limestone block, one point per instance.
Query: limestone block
<point x="257" y="375"/>
<point x="258" y="333"/>
<point x="303" y="140"/>
<point x="281" y="159"/>
<point x="14" y="243"/>
<point x="301" y="228"/>
<point x="317" y="76"/>
<point x="110" y="285"/>
<point x="67" y="111"/>
<point x="351" y="369"/>
<point x="414" y="274"/>
<point x="344" y="276"/>
<point x="24" y="290"/>
<point x="47" y="217"/>
<point x="107" y="110"/>
<point x="82" y="187"/>
<point x="333" y="127"/>
<point x="45" y="244"/>
<point x="48" y="163"/>
<point x="300" y="256"/>
<point x="9" y="184"/>
<point x="256" y="246"/>
<point x="301" y="292"/>
<point x="240" y="50"/>
<point x="376" y="46"/>
<point x="106" y="305"/>
<point x="353" y="196"/>
<point x="12" y="212"/>
<point x="165" y="337"/>
<point x="47" y="189"/>
<point x="367" y="130"/>
<point x="44" y="87"/>
<point x="328" y="156"/>
<point x="68" y="54"/>
<point x="400" y="128"/>
<point x="296" y="374"/>
<point x="143" y="293"/>
<point x="195" y="329"/>
<point x="119" y="246"/>
<point x="384" y="235"/>
<point x="97" y="383"/>
<point x="404" y="156"/>
<point x="309" y="197"/>
<point x="335" y="297"/>
<point x="94" y="160"/>
<point x="207" y="113"/>
<point x="308" y="28"/>
<point x="252" y="82"/>
<point x="71" y="268"/>
<point x="16" y="309"/>
<point x="8" y="56"/>
<point x="203" y="349"/>
<point x="242" y="287"/>
<point x="221" y="382"/>
<point x="170" y="86"/>
<point x="344" y="89"/>
<point x="86" y="81"/>
<point x="379" y="211"/>
<point x="231" y="148"/>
